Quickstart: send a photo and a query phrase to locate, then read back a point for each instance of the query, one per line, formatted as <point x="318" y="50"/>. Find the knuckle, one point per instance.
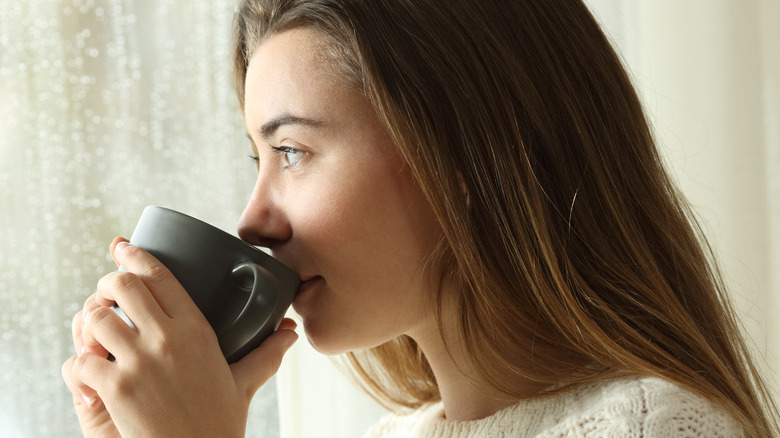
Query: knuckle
<point x="124" y="280"/>
<point x="117" y="281"/>
<point x="79" y="363"/>
<point x="76" y="322"/>
<point x="170" y="343"/>
<point x="99" y="315"/>
<point x="89" y="304"/>
<point x="103" y="284"/>
<point x="98" y="318"/>
<point x="132" y="251"/>
<point x="155" y="272"/>
<point x="66" y="369"/>
<point x="165" y="345"/>
<point x="90" y="301"/>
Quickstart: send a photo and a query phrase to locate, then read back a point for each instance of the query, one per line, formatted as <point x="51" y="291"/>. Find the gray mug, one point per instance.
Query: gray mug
<point x="243" y="292"/>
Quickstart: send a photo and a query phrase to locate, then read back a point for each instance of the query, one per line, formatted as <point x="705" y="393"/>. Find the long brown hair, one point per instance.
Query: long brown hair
<point x="568" y="241"/>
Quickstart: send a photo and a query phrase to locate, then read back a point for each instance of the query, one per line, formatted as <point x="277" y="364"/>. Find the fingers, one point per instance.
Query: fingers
<point x="166" y="290"/>
<point x="287" y="324"/>
<point x="103" y="331"/>
<point x="77" y="328"/>
<point x="254" y="369"/>
<point x="113" y="246"/>
<point x="83" y="395"/>
<point x="132" y="295"/>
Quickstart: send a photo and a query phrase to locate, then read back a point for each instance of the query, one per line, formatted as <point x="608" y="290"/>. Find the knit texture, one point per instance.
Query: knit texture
<point x="631" y="408"/>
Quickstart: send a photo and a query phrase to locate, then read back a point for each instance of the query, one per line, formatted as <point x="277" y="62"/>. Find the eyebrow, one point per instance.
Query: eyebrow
<point x="270" y="127"/>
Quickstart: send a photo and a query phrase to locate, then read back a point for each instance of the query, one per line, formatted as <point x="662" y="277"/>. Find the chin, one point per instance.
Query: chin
<point x="322" y="341"/>
<point x="330" y="343"/>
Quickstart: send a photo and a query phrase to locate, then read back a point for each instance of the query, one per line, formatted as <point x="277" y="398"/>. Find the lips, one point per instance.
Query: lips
<point x="305" y="278"/>
<point x="303" y="299"/>
<point x="307" y="282"/>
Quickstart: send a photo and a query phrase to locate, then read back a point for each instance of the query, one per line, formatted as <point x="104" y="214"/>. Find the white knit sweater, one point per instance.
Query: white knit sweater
<point x="630" y="408"/>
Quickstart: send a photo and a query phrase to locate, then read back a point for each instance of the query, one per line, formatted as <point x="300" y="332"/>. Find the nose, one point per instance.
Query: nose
<point x="264" y="222"/>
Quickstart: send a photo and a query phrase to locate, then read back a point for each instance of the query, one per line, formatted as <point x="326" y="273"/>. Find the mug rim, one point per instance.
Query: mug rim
<point x="232" y="239"/>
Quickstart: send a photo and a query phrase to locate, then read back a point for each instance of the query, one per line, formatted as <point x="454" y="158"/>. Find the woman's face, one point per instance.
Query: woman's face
<point x="334" y="200"/>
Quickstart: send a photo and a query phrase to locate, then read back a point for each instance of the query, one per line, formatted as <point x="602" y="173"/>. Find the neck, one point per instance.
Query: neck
<point x="463" y="398"/>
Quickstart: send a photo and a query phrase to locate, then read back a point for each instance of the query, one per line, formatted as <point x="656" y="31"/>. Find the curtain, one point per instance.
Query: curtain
<point x="709" y="74"/>
<point x="107" y="106"/>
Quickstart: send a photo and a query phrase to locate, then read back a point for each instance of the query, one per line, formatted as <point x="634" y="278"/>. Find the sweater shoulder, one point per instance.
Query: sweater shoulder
<point x="636" y="407"/>
<point x="644" y="407"/>
<point x="402" y="423"/>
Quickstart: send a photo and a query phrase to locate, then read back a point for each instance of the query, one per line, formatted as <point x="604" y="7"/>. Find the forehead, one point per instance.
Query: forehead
<point x="289" y="70"/>
<point x="286" y="57"/>
<point x="288" y="75"/>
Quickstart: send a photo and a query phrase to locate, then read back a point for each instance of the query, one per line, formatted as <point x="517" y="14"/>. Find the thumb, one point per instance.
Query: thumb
<point x="260" y="364"/>
<point x="113" y="245"/>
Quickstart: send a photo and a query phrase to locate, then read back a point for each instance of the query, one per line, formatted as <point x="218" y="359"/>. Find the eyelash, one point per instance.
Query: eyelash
<point x="286" y="150"/>
<point x="281" y="150"/>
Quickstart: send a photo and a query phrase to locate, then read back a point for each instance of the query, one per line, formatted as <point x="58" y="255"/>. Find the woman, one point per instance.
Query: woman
<point x="474" y="202"/>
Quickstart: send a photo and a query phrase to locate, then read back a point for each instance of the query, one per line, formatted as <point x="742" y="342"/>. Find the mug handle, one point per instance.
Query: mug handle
<point x="256" y="312"/>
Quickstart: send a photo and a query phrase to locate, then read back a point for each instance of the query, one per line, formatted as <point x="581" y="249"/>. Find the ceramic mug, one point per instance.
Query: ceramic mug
<point x="243" y="292"/>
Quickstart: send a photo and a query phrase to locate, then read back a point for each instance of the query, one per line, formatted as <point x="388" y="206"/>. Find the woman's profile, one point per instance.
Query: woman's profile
<point x="473" y="198"/>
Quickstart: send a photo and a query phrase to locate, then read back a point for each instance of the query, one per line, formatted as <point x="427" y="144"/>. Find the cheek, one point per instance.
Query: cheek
<point x="376" y="235"/>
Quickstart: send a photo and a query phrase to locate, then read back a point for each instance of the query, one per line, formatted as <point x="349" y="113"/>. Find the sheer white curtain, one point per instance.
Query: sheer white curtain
<point x="105" y="106"/>
<point x="109" y="105"/>
<point x="709" y="75"/>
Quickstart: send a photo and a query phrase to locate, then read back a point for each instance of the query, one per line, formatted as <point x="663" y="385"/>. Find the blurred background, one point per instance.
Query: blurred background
<point x="107" y="106"/>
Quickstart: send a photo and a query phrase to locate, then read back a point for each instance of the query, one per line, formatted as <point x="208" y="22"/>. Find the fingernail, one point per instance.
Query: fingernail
<point x="287" y="324"/>
<point x="83" y="349"/>
<point x="120" y="246"/>
<point x="85" y="318"/>
<point x="88" y="401"/>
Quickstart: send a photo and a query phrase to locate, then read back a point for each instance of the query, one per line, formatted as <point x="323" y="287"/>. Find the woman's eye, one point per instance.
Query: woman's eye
<point x="291" y="156"/>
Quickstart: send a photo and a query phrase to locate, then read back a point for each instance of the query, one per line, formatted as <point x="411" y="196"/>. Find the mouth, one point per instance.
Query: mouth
<point x="308" y="281"/>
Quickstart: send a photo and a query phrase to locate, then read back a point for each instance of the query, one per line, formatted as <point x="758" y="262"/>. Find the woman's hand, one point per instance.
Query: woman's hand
<point x="169" y="377"/>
